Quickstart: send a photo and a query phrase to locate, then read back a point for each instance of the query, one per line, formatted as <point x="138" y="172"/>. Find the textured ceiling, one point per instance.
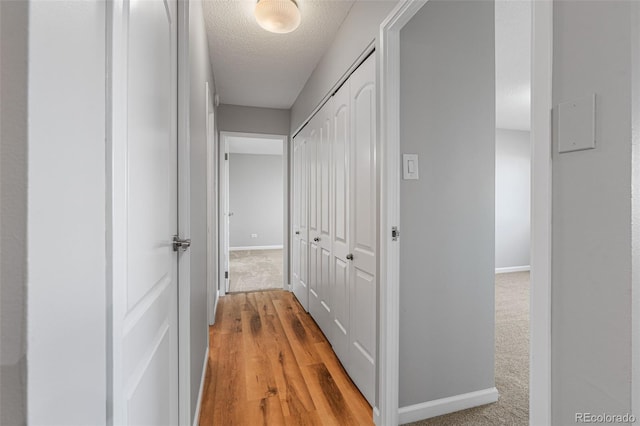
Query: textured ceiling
<point x="254" y="67"/>
<point x="513" y="64"/>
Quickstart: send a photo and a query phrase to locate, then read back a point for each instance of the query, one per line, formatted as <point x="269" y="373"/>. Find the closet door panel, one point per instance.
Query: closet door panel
<point x="340" y="215"/>
<point x="300" y="213"/>
<point x="295" y="215"/>
<point x="314" y="249"/>
<point x="363" y="193"/>
<point x="325" y="230"/>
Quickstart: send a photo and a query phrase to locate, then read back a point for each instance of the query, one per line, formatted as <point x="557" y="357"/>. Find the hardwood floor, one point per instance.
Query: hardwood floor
<point x="269" y="364"/>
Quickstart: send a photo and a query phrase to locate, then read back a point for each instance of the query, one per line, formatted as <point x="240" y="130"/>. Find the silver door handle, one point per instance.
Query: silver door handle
<point x="181" y="244"/>
<point x="350" y="256"/>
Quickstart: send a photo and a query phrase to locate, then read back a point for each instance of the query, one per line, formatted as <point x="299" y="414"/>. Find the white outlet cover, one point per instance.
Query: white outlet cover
<point x="577" y="124"/>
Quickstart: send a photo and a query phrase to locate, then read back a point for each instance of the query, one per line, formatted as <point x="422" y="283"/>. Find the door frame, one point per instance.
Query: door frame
<point x="540" y="299"/>
<point x="212" y="207"/>
<point x="224" y="192"/>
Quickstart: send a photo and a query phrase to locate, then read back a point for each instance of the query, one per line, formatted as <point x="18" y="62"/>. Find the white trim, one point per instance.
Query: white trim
<point x="184" y="212"/>
<point x="285" y="213"/>
<point x="388" y="367"/>
<point x="540" y="293"/>
<point x="542" y="53"/>
<point x="224" y="189"/>
<point x="256" y="248"/>
<point x="196" y="416"/>
<point x="212" y="197"/>
<point x="509" y="269"/>
<point x="439" y="407"/>
<point x="376" y="416"/>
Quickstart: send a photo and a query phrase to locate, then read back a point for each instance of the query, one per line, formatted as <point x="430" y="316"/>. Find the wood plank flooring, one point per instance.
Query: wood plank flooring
<point x="269" y="364"/>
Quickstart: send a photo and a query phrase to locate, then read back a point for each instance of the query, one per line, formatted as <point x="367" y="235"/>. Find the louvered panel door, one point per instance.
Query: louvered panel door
<point x="363" y="219"/>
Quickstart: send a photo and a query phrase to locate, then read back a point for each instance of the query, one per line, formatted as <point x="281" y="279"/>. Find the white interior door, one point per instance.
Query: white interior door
<point x="224" y="223"/>
<point x="341" y="222"/>
<point x="145" y="333"/>
<point x="363" y="202"/>
<point x="301" y="229"/>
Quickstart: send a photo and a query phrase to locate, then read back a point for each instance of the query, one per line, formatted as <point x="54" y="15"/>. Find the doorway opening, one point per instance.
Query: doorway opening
<point x="513" y="208"/>
<point x="254" y="210"/>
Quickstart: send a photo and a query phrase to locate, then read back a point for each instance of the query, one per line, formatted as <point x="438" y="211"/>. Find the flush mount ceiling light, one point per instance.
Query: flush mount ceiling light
<point x="277" y="16"/>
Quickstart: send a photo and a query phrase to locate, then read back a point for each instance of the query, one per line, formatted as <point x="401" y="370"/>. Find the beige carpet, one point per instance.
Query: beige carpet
<point x="251" y="270"/>
<point x="512" y="361"/>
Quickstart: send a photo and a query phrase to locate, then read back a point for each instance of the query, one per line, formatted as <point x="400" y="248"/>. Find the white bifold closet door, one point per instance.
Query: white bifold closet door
<point x="363" y="224"/>
<point x="299" y="217"/>
<point x="335" y="223"/>
<point x="320" y="288"/>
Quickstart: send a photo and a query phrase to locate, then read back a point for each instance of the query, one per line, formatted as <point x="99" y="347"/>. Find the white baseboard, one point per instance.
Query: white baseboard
<point x="426" y="410"/>
<point x="215" y="307"/>
<point x="376" y="416"/>
<point x="508" y="269"/>
<point x="196" y="417"/>
<point x="256" y="248"/>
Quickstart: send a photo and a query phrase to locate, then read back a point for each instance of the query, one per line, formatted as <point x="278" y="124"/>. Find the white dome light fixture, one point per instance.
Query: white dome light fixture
<point x="277" y="16"/>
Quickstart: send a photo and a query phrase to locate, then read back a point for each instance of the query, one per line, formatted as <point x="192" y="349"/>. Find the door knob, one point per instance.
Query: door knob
<point x="316" y="239"/>
<point x="297" y="232"/>
<point x="181" y="244"/>
<point x="350" y="256"/>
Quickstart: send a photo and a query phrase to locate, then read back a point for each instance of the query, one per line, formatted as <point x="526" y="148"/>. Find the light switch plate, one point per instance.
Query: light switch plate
<point x="577" y="124"/>
<point x="410" y="166"/>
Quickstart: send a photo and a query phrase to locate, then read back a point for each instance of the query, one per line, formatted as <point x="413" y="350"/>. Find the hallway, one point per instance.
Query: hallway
<point x="269" y="363"/>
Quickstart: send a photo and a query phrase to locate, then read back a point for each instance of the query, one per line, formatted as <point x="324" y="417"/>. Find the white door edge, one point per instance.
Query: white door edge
<point x="184" y="213"/>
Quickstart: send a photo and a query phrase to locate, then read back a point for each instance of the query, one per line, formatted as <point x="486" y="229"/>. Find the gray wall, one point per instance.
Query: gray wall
<point x="256" y="200"/>
<point x="200" y="73"/>
<point x="358" y="30"/>
<point x="242" y="119"/>
<point x="447" y="217"/>
<point x="591" y="267"/>
<point x="513" y="198"/>
<point x="13" y="208"/>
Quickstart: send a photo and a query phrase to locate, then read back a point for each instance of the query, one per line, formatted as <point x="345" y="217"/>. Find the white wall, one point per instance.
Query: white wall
<point x="200" y="73"/>
<point x="242" y="119"/>
<point x="447" y="95"/>
<point x="13" y="210"/>
<point x="256" y="199"/>
<point x="591" y="265"/>
<point x="513" y="198"/>
<point x="359" y="29"/>
<point x="66" y="290"/>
